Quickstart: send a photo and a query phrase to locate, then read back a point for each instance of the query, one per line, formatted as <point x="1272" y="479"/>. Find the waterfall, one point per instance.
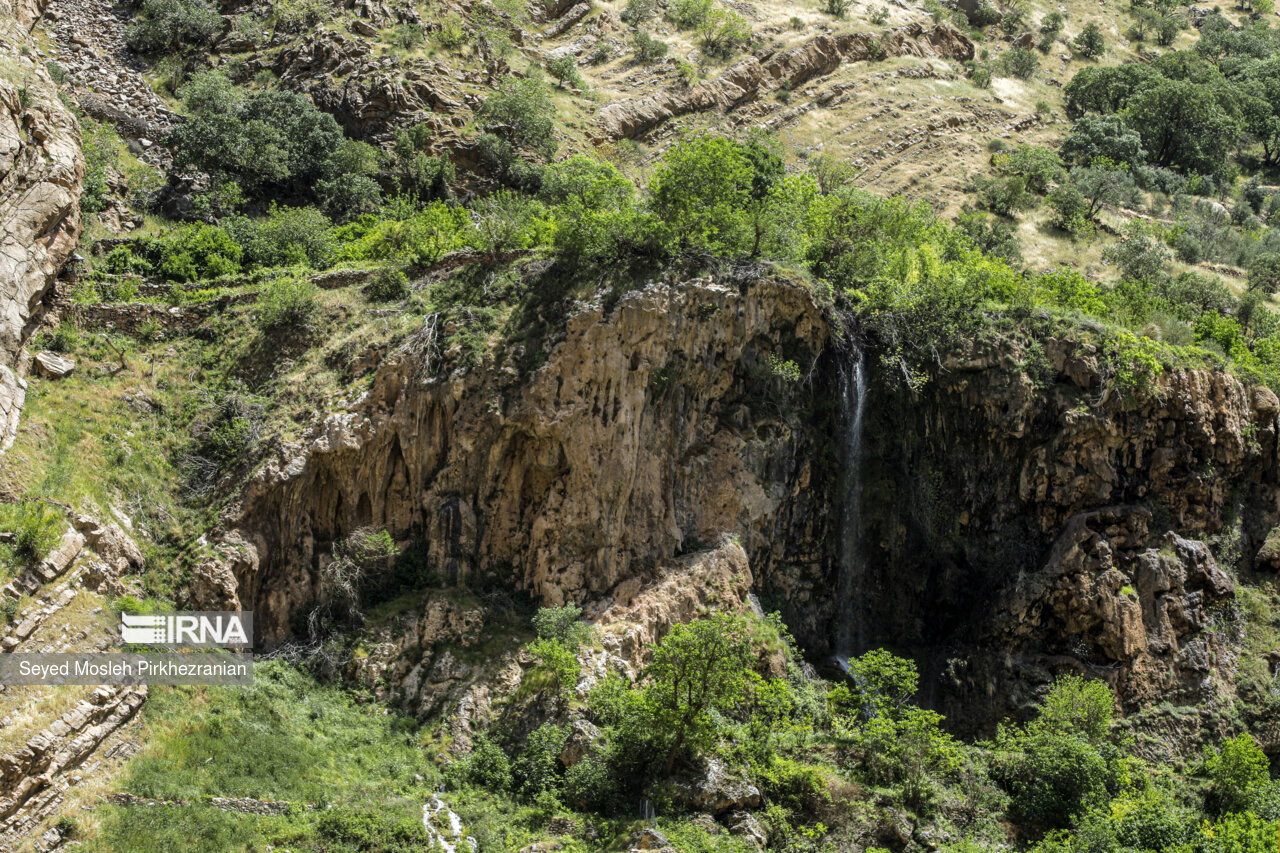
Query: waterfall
<point x="849" y="630"/>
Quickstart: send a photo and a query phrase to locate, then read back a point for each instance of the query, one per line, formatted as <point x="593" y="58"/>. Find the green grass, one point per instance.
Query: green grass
<point x="285" y="738"/>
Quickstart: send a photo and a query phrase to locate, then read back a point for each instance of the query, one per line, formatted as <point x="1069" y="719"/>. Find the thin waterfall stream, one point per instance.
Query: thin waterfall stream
<point x="849" y="630"/>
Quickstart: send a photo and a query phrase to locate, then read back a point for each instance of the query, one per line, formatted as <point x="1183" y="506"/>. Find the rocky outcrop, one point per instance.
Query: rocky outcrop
<point x="1017" y="502"/>
<point x="652" y="429"/>
<point x="752" y="78"/>
<point x="41" y="171"/>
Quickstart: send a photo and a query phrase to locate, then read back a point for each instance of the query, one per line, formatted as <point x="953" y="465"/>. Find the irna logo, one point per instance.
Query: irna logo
<point x="213" y="629"/>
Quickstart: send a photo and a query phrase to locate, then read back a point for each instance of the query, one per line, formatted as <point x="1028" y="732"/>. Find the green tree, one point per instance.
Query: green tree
<point x="1090" y="42"/>
<point x="166" y="25"/>
<point x="1264" y="273"/>
<point x="1095" y="137"/>
<point x="1233" y="770"/>
<point x="521" y="111"/>
<point x="698" y="670"/>
<point x="1183" y="126"/>
<point x="701" y="192"/>
<point x="1079" y="706"/>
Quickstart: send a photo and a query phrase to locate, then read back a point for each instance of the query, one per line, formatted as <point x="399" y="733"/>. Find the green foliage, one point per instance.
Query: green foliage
<point x="187" y="253"/>
<point x="487" y="766"/>
<point x="1078" y="706"/>
<point x="1264" y="273"/>
<point x="688" y="14"/>
<point x="538" y="767"/>
<point x="698" y="670"/>
<point x="101" y="146"/>
<point x="1090" y="42"/>
<point x="565" y="70"/>
<point x="286" y="302"/>
<point x="1236" y="767"/>
<point x="286" y="236"/>
<point x="1020" y="62"/>
<point x="1095" y="137"/>
<point x="837" y="8"/>
<point x="36" y="526"/>
<point x="1037" y="166"/>
<point x="266" y="141"/>
<point x="166" y="25"/>
<point x="422" y="237"/>
<point x="723" y="32"/>
<point x="562" y="624"/>
<point x="520" y="110"/>
<point x="638" y="12"/>
<point x="647" y="48"/>
<point x="387" y="285"/>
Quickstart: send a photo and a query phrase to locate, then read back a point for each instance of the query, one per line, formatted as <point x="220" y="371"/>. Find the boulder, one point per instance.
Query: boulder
<point x="718" y="791"/>
<point x="52" y="365"/>
<point x="582" y="737"/>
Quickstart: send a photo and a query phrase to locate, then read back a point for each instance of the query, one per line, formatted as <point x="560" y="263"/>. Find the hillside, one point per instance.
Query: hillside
<point x="685" y="426"/>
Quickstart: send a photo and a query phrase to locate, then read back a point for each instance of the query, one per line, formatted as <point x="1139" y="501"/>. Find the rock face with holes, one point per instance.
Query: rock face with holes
<point x="41" y="171"/>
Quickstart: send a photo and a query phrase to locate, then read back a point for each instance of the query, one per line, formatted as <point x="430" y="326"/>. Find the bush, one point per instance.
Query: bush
<point x="287" y="301"/>
<point x="192" y="252"/>
<point x="101" y="146"/>
<point x="1003" y="196"/>
<point x="647" y="48"/>
<point x="638" y="12"/>
<point x="688" y="14"/>
<point x="538" y="768"/>
<point x="1021" y="63"/>
<point x="1075" y="705"/>
<point x="37" y="529"/>
<point x="387" y="285"/>
<point x="487" y="766"/>
<point x="565" y="70"/>
<point x="837" y="8"/>
<point x="723" y="32"/>
<point x="287" y="236"/>
<point x="1234" y="769"/>
<point x="521" y="112"/>
<point x="1264" y="273"/>
<point x="273" y="139"/>
<point x="1038" y="166"/>
<point x="1093" y="137"/>
<point x="1055" y="778"/>
<point x="171" y="24"/>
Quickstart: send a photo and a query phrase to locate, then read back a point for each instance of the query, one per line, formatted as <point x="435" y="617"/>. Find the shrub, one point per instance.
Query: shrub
<point x="688" y="14"/>
<point x="1078" y="706"/>
<point x="287" y="301"/>
<point x="647" y="48"/>
<point x="565" y="70"/>
<point x="521" y="111"/>
<point x="101" y="146"/>
<point x="538" y="767"/>
<point x="1233" y="770"/>
<point x="1264" y="272"/>
<point x="193" y="252"/>
<point x="37" y="529"/>
<point x="64" y="337"/>
<point x="561" y="623"/>
<point x="264" y="140"/>
<point x="1038" y="166"/>
<point x="285" y="237"/>
<point x="387" y="285"/>
<point x="1003" y="196"/>
<point x="723" y="32"/>
<point x="170" y="24"/>
<point x="837" y="8"/>
<point x="486" y="766"/>
<point x="639" y="12"/>
<point x="1056" y="777"/>
<point x="1021" y="63"/>
<point x="422" y="238"/>
<point x="1096" y="136"/>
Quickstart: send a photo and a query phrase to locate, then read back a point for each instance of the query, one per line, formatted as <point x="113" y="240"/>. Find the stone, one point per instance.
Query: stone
<point x="718" y="791"/>
<point x="53" y="366"/>
<point x="745" y="825"/>
<point x="583" y="735"/>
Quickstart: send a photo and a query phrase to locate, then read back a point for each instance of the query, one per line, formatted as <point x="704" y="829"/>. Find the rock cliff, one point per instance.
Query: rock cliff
<point x="1020" y="517"/>
<point x="41" y="170"/>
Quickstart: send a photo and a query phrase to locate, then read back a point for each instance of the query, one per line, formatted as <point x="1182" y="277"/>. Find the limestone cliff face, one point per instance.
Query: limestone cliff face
<point x="653" y="429"/>
<point x="1020" y="518"/>
<point x="41" y="170"/>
